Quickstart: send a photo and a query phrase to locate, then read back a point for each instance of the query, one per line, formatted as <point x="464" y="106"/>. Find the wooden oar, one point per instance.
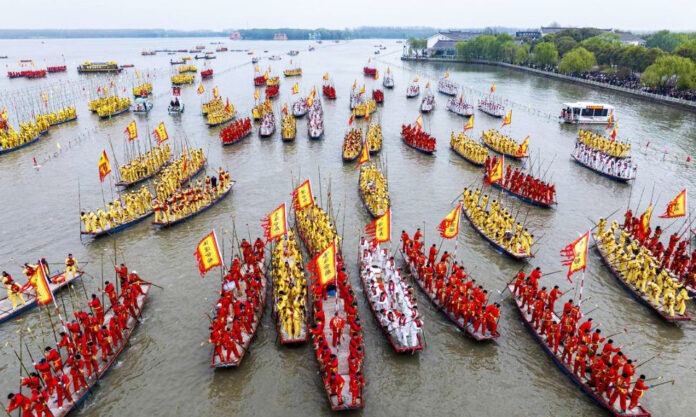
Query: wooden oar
<point x="625" y="330"/>
<point x="647" y="360"/>
<point x="672" y="381"/>
<point x="659" y="378"/>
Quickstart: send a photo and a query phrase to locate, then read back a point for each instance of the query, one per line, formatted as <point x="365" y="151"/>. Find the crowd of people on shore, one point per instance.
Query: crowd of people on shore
<point x="374" y="189"/>
<point x="393" y="300"/>
<point x="145" y="165"/>
<point x="497" y="223"/>
<point x="289" y="289"/>
<point x="450" y="287"/>
<point x="468" y="148"/>
<point x="239" y="309"/>
<point x="639" y="268"/>
<point x="586" y="353"/>
<point x="603" y="144"/>
<point x="599" y="161"/>
<point x="86" y="348"/>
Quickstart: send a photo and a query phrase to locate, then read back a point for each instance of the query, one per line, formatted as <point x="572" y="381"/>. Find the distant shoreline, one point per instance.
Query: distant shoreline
<point x="684" y="104"/>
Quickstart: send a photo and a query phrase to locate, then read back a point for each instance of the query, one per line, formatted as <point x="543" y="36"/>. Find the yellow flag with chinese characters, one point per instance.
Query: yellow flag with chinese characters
<point x="161" y="133"/>
<point x="208" y="254"/>
<point x="275" y="224"/>
<point x="302" y="196"/>
<point x="325" y="264"/>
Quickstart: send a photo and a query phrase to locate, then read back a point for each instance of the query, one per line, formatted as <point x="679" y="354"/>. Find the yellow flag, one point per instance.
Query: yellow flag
<point x="419" y="122"/>
<point x="256" y="94"/>
<point x="380" y="229"/>
<point x="104" y="166"/>
<point x="576" y="255"/>
<point x="470" y="124"/>
<point x="355" y="84"/>
<point x="208" y="254"/>
<point x="449" y="226"/>
<point x="256" y="68"/>
<point x="362" y="89"/>
<point x="131" y="130"/>
<point x="302" y="196"/>
<point x="496" y="173"/>
<point x="507" y="119"/>
<point x="376" y="75"/>
<point x="215" y="92"/>
<point x="364" y="154"/>
<point x="161" y="133"/>
<point x="522" y="150"/>
<point x="296" y="88"/>
<point x="44" y="295"/>
<point x="326" y="76"/>
<point x="676" y="207"/>
<point x="275" y="224"/>
<point x="325" y="264"/>
<point x="200" y="90"/>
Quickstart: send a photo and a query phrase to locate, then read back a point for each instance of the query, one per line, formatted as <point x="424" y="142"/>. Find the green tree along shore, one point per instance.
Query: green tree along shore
<point x="667" y="61"/>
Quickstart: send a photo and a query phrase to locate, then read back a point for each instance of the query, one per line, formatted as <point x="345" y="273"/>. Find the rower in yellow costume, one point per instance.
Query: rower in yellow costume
<point x="70" y="266"/>
<point x="14" y="290"/>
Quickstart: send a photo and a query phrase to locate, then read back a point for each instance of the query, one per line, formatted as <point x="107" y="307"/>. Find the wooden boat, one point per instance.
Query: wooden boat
<point x="329" y="91"/>
<point x="98" y="67"/>
<point x="221" y="117"/>
<point x="388" y="80"/>
<point x="182" y="79"/>
<point x="418" y="139"/>
<point x="293" y="72"/>
<point x="299" y="108"/>
<point x="641" y="297"/>
<point x="126" y="333"/>
<point x="288" y="128"/>
<point x="56" y="282"/>
<point x="221" y="49"/>
<point x="447" y="87"/>
<point x="174" y="110"/>
<point x="206" y="56"/>
<point x="57" y="68"/>
<point x="247" y="271"/>
<point x="222" y="194"/>
<point x="599" y="171"/>
<point x="177" y="62"/>
<point x="466" y="328"/>
<point x="156" y="154"/>
<point x="315" y="126"/>
<point x="259" y="111"/>
<point x="527" y="200"/>
<point x="352" y="145"/>
<point x="146" y="52"/>
<point x="192" y="69"/>
<point x="373" y="189"/>
<point x="428" y="102"/>
<point x="374" y="138"/>
<point x="293" y="52"/>
<point x="378" y="96"/>
<point x="121" y="227"/>
<point x="583" y="383"/>
<point x="335" y="303"/>
<point x="267" y="127"/>
<point x="213" y="105"/>
<point x="470" y="150"/>
<point x="488" y="139"/>
<point x="606" y="145"/>
<point x="272" y="91"/>
<point x="238" y="130"/>
<point x="64" y="121"/>
<point x="289" y="281"/>
<point x="114" y="114"/>
<point x="18" y="147"/>
<point x="141" y="106"/>
<point x="260" y="80"/>
<point x="369" y="71"/>
<point x="273" y="81"/>
<point x="491" y="107"/>
<point x="520" y="255"/>
<point x="377" y="277"/>
<point x="460" y="107"/>
<point x="413" y="91"/>
<point x="206" y="74"/>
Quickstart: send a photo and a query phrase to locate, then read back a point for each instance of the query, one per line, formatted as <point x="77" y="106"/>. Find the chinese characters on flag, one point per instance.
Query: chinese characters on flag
<point x="208" y="254"/>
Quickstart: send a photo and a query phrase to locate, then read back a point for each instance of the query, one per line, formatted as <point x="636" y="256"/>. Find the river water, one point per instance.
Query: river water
<point x="166" y="369"/>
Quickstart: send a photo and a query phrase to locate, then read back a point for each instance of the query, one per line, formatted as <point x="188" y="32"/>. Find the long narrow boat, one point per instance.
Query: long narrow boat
<point x="329" y="91"/>
<point x="142" y="160"/>
<point x="488" y="140"/>
<point x="527" y="200"/>
<point x="62" y="122"/>
<point x="467" y="328"/>
<point x="126" y="333"/>
<point x="250" y="282"/>
<point x="519" y="255"/>
<point x="238" y="130"/>
<point x="268" y="126"/>
<point x="491" y="107"/>
<point x="222" y="194"/>
<point x="418" y="139"/>
<point x="288" y="128"/>
<point x="56" y="282"/>
<point x="289" y="292"/>
<point x="114" y="114"/>
<point x="374" y="138"/>
<point x="315" y="126"/>
<point x="393" y="306"/>
<point x="641" y="297"/>
<point x="583" y="383"/>
<point x="470" y="150"/>
<point x="339" y="298"/>
<point x="352" y="145"/>
<point x="608" y="146"/>
<point x="373" y="189"/>
<point x="18" y="147"/>
<point x="121" y="227"/>
<point x="600" y="172"/>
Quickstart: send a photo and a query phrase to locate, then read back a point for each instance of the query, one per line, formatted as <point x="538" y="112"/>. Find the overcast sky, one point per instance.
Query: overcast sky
<point x="675" y="15"/>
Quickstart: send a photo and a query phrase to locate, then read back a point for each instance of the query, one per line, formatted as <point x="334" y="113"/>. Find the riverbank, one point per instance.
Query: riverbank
<point x="655" y="98"/>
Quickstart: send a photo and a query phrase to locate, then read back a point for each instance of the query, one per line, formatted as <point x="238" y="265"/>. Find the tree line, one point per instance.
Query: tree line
<point x="667" y="60"/>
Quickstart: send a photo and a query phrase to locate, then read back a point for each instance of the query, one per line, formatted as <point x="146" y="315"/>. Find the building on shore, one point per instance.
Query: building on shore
<point x="280" y="36"/>
<point x="443" y="43"/>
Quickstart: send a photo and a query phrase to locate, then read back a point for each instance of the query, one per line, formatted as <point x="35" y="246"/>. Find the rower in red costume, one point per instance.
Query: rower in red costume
<point x="335" y="382"/>
<point x="638" y="389"/>
<point x="336" y="325"/>
<point x="553" y="296"/>
<point x="97" y="308"/>
<point x="122" y="272"/>
<point x="62" y="383"/>
<point x="110" y="291"/>
<point x="19" y="401"/>
<point x="628" y="221"/>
